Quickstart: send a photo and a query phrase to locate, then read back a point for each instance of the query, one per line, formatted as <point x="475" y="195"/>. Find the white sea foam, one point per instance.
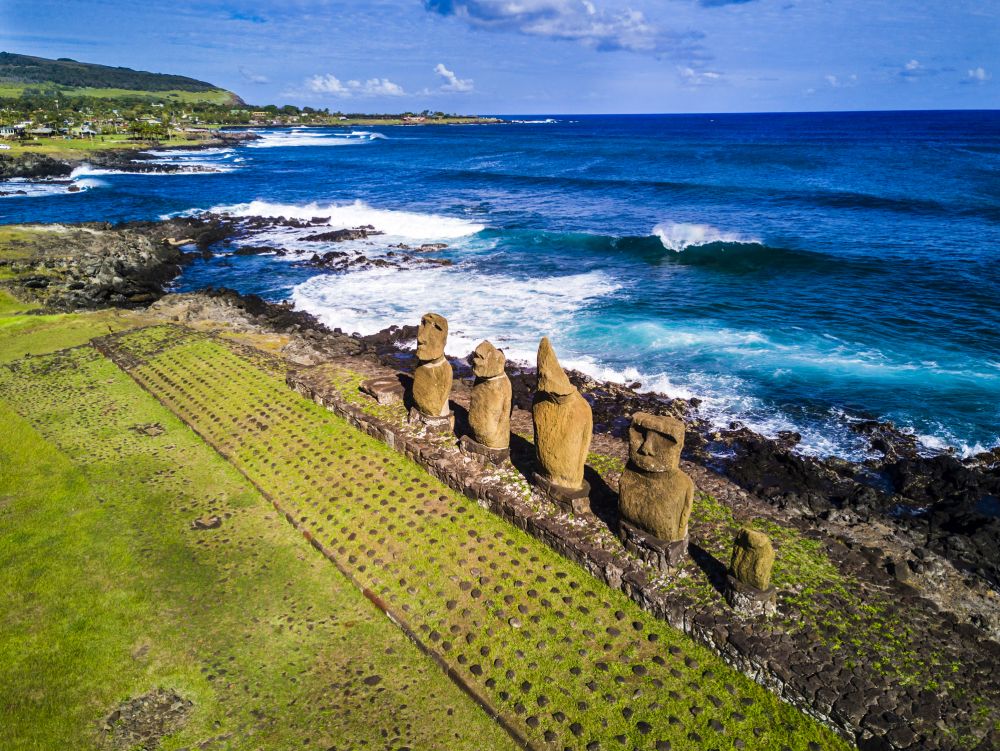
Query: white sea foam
<point x="395" y="224"/>
<point x="677" y="236"/>
<point x="269" y="139"/>
<point x="514" y="313"/>
<point x="186" y="168"/>
<point x="943" y="439"/>
<point x="26" y="188"/>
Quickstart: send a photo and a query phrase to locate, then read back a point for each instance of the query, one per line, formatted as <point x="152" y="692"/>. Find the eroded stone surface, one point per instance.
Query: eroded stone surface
<point x="562" y="421"/>
<point x="654" y="493"/>
<point x="753" y="558"/>
<point x="490" y="404"/>
<point x="432" y="378"/>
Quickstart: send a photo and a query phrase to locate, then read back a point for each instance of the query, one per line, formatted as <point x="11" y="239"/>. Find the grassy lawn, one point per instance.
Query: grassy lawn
<point x="212" y="96"/>
<point x="107" y="593"/>
<point x="572" y="663"/>
<point x="34" y="334"/>
<point x="76" y="147"/>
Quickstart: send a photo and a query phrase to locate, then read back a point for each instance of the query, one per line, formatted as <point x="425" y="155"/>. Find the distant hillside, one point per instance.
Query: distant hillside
<point x="19" y="72"/>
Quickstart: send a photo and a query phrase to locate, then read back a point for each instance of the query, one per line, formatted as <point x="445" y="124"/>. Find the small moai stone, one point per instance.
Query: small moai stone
<point x="489" y="406"/>
<point x="564" y="426"/>
<point x="432" y="378"/>
<point x="655" y="496"/>
<point x="748" y="582"/>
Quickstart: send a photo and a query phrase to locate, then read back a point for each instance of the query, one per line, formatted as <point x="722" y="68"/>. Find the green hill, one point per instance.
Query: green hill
<point x="22" y="72"/>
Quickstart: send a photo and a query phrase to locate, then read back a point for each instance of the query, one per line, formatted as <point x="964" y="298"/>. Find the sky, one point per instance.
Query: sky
<point x="542" y="56"/>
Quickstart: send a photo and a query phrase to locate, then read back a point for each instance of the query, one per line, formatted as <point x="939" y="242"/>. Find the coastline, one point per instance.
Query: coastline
<point x="39" y="165"/>
<point x="938" y="502"/>
<point x="846" y="576"/>
<point x="50" y="161"/>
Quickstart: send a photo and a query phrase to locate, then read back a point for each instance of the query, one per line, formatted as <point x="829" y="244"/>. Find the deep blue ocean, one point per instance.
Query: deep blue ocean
<point x="794" y="271"/>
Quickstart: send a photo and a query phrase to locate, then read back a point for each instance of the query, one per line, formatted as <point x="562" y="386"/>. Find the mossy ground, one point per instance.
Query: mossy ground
<point x="24" y="332"/>
<point x="573" y="663"/>
<point x="106" y="592"/>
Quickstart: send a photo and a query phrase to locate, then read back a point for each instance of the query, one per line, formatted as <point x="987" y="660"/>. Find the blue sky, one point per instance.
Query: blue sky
<point x="542" y="56"/>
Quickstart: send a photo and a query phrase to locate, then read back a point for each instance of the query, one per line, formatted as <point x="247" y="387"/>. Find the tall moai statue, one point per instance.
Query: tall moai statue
<point x="490" y="405"/>
<point x="433" y="376"/>
<point x="654" y="495"/>
<point x="748" y="583"/>
<point x="564" y="426"/>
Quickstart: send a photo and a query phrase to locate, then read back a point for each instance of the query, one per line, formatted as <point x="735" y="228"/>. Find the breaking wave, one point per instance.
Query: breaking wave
<point x="403" y="224"/>
<point x="677" y="236"/>
<point x="269" y="139"/>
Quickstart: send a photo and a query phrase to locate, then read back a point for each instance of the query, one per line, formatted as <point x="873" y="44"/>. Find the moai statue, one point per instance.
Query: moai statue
<point x="432" y="378"/>
<point x="654" y="495"/>
<point x="748" y="584"/>
<point x="563" y="429"/>
<point x="489" y="407"/>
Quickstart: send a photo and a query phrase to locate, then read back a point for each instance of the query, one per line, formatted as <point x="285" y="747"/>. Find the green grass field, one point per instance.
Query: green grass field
<point x="70" y="148"/>
<point x="107" y="593"/>
<point x="572" y="663"/>
<point x="213" y="96"/>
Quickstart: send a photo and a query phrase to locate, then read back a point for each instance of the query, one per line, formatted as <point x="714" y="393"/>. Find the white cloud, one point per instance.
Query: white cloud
<point x="693" y="77"/>
<point x="579" y="21"/>
<point x="835" y="82"/>
<point x="330" y="84"/>
<point x="979" y="75"/>
<point x="251" y="77"/>
<point x="452" y="81"/>
<point x="914" y="69"/>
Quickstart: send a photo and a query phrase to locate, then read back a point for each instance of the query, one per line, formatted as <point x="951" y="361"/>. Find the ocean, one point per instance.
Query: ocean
<point x="797" y="272"/>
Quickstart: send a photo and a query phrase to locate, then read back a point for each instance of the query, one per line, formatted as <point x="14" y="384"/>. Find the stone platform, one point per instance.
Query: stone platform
<point x="665" y="555"/>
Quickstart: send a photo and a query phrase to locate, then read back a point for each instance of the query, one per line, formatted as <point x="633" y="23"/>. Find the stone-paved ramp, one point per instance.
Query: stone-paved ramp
<point x="563" y="661"/>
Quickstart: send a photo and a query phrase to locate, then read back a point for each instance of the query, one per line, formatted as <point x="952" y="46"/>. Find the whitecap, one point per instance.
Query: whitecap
<point x="302" y="137"/>
<point x="677" y="236"/>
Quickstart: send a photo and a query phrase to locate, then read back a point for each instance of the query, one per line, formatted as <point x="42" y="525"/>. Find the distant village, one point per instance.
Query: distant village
<point x="28" y="118"/>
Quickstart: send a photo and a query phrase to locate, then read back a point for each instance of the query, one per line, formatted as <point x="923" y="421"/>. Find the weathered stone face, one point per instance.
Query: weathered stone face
<point x="655" y="442"/>
<point x="653" y="493"/>
<point x="432" y="387"/>
<point x="487" y="361"/>
<point x="563" y="423"/>
<point x="753" y="558"/>
<point x="431" y="337"/>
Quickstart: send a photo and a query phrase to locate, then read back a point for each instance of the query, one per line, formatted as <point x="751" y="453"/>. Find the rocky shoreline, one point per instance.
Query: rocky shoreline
<point x="933" y="518"/>
<point x="37" y="166"/>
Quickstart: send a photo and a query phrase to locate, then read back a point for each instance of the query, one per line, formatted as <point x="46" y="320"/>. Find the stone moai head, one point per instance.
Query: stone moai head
<point x="487" y="361"/>
<point x="655" y="442"/>
<point x="753" y="558"/>
<point x="431" y="337"/>
<point x="552" y="379"/>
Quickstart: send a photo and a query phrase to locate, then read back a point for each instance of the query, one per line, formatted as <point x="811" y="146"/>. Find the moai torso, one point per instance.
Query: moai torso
<point x="432" y="387"/>
<point x="563" y="429"/>
<point x="489" y="407"/>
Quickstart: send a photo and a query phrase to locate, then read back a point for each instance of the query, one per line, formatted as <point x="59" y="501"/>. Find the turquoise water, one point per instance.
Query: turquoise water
<point x="792" y="271"/>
